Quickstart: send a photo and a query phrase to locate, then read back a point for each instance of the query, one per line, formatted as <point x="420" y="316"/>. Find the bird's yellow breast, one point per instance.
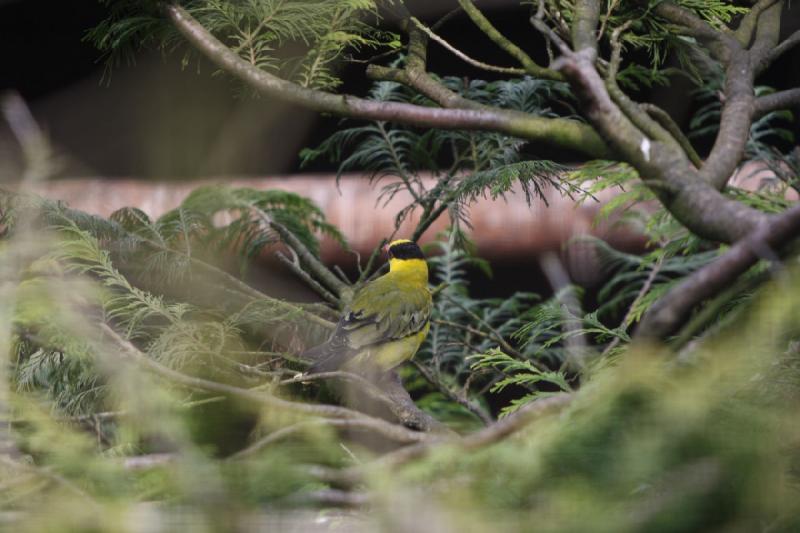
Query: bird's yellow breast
<point x="390" y="354"/>
<point x="409" y="270"/>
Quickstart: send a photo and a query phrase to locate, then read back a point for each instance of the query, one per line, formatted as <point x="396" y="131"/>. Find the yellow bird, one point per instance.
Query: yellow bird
<point x="386" y="321"/>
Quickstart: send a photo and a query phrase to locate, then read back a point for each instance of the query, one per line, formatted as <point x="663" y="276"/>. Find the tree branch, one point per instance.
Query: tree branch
<point x="787" y="44"/>
<point x="633" y="110"/>
<point x="464" y="57"/>
<point x="719" y="44"/>
<point x="667" y="315"/>
<point x="342" y="290"/>
<point x="747" y="27"/>
<point x="768" y="31"/>
<point x="294" y="265"/>
<point x="734" y="124"/>
<point x="561" y="132"/>
<point x="779" y="100"/>
<point x="130" y="353"/>
<point x="461" y="400"/>
<point x="670" y="174"/>
<point x="584" y="25"/>
<point x="480" y="439"/>
<point x="663" y="118"/>
<point x="530" y="66"/>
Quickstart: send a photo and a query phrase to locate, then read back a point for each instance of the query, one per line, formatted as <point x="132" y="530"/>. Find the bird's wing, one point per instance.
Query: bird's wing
<point x="384" y="310"/>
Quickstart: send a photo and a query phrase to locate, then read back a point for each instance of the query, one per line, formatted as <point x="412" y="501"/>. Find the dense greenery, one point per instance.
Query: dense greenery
<point x="142" y="367"/>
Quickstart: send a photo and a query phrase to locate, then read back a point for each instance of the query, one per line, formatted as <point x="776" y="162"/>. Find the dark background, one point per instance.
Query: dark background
<point x="156" y="120"/>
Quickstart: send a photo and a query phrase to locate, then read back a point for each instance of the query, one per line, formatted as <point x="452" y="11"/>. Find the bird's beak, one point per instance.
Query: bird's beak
<point x="386" y="249"/>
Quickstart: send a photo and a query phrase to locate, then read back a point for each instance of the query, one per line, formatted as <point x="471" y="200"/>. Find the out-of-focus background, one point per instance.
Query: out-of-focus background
<point x="144" y="133"/>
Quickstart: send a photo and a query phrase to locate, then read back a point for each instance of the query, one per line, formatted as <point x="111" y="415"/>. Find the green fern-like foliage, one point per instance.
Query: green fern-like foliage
<point x="260" y="31"/>
<point x="647" y="32"/>
<point x="136" y="275"/>
<point x="466" y="165"/>
<point x="519" y="374"/>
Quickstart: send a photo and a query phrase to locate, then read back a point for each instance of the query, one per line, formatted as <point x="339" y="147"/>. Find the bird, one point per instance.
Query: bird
<point x="386" y="320"/>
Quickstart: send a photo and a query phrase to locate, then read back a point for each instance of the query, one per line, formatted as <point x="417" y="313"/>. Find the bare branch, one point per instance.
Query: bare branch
<point x="129" y="352"/>
<point x="664" y="318"/>
<point x="294" y="265"/>
<point x="734" y="126"/>
<point x="634" y="111"/>
<point x="767" y="36"/>
<point x="719" y="44"/>
<point x="663" y="118"/>
<point x="584" y="25"/>
<point x="288" y="431"/>
<point x="343" y="291"/>
<point x="563" y="132"/>
<point x="747" y="27"/>
<point x="464" y="57"/>
<point x="485" y="437"/>
<point x="460" y="399"/>
<point x="530" y="66"/>
<point x="786" y="45"/>
<point x="779" y="100"/>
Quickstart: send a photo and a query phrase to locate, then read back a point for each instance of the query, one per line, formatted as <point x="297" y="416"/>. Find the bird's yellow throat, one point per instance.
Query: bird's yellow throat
<point x="411" y="269"/>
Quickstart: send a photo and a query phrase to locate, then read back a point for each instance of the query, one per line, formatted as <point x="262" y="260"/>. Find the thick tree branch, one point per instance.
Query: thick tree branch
<point x="561" y="132"/>
<point x="768" y="32"/>
<point x="634" y="111"/>
<point x="775" y="101"/>
<point x="734" y="125"/>
<point x="719" y="44"/>
<point x="747" y="27"/>
<point x="667" y="315"/>
<point x="666" y="169"/>
<point x="663" y="118"/>
<point x="584" y="25"/>
<point x="530" y="66"/>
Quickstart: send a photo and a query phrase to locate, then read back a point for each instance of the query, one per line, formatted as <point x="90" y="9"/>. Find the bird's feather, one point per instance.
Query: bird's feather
<point x="385" y="322"/>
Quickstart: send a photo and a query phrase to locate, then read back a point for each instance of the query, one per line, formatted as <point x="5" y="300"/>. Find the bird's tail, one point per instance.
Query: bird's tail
<point x="326" y="358"/>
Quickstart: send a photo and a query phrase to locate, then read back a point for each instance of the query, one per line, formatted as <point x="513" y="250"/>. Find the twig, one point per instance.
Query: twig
<point x="129" y="352"/>
<point x="367" y="270"/>
<point x="530" y="66"/>
<point x="673" y="309"/>
<point x="307" y="259"/>
<point x="364" y="384"/>
<point x="339" y="272"/>
<point x="575" y="343"/>
<point x="666" y="121"/>
<point x="493" y="333"/>
<point x="294" y="266"/>
<point x="480" y="439"/>
<point x="786" y="45"/>
<point x="464" y="57"/>
<point x="50" y="475"/>
<point x="461" y="400"/>
<point x="641" y="294"/>
<point x="524" y="125"/>
<point x="282" y="433"/>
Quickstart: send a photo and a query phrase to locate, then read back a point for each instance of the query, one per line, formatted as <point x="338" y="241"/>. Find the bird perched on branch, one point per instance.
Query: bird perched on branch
<point x="386" y="321"/>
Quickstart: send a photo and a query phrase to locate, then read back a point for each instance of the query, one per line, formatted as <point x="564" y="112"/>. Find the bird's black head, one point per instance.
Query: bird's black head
<point x="404" y="249"/>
